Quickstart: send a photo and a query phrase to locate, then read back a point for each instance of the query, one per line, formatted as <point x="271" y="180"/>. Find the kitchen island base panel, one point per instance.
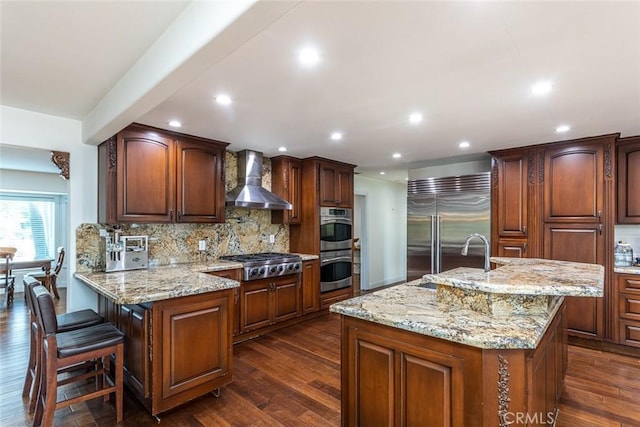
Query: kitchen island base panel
<point x="177" y="349"/>
<point x="396" y="377"/>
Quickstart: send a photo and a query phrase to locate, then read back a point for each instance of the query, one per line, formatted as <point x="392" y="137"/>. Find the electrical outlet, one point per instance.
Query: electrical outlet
<point x="202" y="245"/>
<point x="272" y="238"/>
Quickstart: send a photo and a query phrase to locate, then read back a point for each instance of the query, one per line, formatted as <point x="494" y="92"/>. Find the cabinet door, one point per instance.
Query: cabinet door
<point x="255" y="305"/>
<point x="629" y="180"/>
<point x="200" y="182"/>
<point x="286" y="182"/>
<point x="310" y="286"/>
<point x="328" y="185"/>
<point x="574" y="183"/>
<point x="512" y="212"/>
<point x="134" y="323"/>
<point x="192" y="341"/>
<point x="579" y="243"/>
<point x="512" y="248"/>
<point x="286" y="298"/>
<point x="345" y="188"/>
<point x="145" y="177"/>
<point x="233" y="274"/>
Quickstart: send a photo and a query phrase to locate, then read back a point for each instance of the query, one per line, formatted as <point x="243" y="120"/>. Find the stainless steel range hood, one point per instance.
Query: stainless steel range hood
<point x="249" y="193"/>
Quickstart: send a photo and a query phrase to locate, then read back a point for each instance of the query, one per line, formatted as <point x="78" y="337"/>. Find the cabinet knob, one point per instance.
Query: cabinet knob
<point x="171" y="214"/>
<point x="600" y="216"/>
<point x="524" y="230"/>
<point x="600" y="227"/>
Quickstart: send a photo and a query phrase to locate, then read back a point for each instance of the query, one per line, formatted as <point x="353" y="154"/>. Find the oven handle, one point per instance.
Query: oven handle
<point x="324" y="261"/>
<point x="335" y="220"/>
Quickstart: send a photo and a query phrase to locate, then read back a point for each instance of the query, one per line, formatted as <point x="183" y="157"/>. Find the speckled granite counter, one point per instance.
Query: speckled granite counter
<point x="506" y="308"/>
<point x="627" y="270"/>
<point x="528" y="276"/>
<point x="308" y="257"/>
<point x="160" y="283"/>
<point x="416" y="309"/>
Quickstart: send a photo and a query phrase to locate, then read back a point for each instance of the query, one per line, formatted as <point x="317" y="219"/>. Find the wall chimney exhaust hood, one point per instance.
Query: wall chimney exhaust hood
<point x="249" y="193"/>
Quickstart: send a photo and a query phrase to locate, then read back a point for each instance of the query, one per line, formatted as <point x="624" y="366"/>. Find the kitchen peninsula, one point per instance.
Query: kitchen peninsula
<point x="462" y="348"/>
<point x="177" y="322"/>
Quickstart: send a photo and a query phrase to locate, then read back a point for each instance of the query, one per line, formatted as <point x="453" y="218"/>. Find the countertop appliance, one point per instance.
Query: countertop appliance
<point x="125" y="252"/>
<point x="441" y="213"/>
<point x="266" y="264"/>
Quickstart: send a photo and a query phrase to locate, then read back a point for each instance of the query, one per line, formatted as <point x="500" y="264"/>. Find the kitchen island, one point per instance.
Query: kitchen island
<point x="462" y="348"/>
<point x="177" y="322"/>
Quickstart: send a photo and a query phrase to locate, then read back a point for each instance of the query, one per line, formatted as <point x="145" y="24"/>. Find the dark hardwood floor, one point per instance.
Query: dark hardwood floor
<point x="291" y="377"/>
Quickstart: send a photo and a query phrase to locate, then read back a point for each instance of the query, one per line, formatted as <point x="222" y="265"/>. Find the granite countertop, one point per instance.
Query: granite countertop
<point x="528" y="276"/>
<point x="159" y="283"/>
<point x="416" y="309"/>
<point x="627" y="270"/>
<point x="307" y="257"/>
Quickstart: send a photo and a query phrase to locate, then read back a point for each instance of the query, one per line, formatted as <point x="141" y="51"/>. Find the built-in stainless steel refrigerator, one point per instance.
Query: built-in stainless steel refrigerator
<point x="441" y="214"/>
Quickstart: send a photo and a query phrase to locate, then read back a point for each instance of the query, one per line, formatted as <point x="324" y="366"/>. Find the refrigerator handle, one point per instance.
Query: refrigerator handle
<point x="434" y="244"/>
<point x="438" y="245"/>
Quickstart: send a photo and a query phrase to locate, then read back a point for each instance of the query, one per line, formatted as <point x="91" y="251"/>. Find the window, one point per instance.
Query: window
<point x="28" y="223"/>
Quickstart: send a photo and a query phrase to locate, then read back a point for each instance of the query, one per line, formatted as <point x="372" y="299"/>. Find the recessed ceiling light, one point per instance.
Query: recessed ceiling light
<point x="541" y="88"/>
<point x="563" y="128"/>
<point x="464" y="144"/>
<point x="309" y="57"/>
<point x="175" y="124"/>
<point x="396" y="155"/>
<point x="336" y="136"/>
<point x="382" y="173"/>
<point x="223" y="99"/>
<point x="415" y="118"/>
<point x="282" y="149"/>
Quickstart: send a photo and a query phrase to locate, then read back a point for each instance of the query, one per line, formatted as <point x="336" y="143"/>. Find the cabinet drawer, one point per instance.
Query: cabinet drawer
<point x="629" y="306"/>
<point x="630" y="333"/>
<point x="629" y="284"/>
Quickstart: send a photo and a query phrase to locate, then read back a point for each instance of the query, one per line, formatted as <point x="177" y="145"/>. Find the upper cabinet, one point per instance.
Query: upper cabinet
<point x="336" y="184"/>
<point x="286" y="182"/>
<point x="574" y="182"/>
<point x="628" y="163"/>
<point x="152" y="175"/>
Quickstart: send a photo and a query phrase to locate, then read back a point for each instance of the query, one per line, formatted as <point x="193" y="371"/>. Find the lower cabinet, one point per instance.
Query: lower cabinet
<point x="328" y="298"/>
<point x="310" y="286"/>
<point x="267" y="301"/>
<point x="627" y="295"/>
<point x="176" y="349"/>
<point x="513" y="248"/>
<point x="396" y="377"/>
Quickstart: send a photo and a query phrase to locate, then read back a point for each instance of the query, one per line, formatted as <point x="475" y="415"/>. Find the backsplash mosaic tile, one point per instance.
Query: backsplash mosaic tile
<point x="245" y="231"/>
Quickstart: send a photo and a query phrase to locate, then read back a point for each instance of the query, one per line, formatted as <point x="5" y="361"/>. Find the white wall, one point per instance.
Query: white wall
<point x="384" y="234"/>
<point x="34" y="130"/>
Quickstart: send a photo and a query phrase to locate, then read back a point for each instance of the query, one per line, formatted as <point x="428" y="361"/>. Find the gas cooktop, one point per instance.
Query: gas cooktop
<point x="266" y="264"/>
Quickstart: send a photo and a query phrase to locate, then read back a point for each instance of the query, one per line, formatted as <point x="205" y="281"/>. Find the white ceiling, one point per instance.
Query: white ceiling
<point x="466" y="66"/>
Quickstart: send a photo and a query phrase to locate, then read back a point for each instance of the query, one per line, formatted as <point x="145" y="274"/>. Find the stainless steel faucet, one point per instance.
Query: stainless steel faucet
<point x="465" y="249"/>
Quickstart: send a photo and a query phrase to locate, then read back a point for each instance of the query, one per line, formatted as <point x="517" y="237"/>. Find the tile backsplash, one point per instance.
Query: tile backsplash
<point x="245" y="231"/>
<point x="629" y="234"/>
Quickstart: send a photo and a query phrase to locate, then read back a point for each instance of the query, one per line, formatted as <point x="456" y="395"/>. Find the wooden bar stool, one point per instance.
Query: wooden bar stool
<point x="65" y="349"/>
<point x="66" y="322"/>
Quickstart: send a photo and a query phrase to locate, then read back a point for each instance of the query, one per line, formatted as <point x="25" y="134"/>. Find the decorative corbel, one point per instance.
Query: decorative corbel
<point x="61" y="160"/>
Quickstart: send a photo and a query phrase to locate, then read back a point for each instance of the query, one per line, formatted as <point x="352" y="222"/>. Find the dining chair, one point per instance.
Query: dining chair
<point x="7" y="280"/>
<point x="65" y="349"/>
<point x="51" y="281"/>
<point x="66" y="322"/>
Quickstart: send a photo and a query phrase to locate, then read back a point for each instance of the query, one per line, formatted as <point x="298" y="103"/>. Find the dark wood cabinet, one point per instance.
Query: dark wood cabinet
<point x="628" y="167"/>
<point x="176" y="349"/>
<point x="514" y="248"/>
<point x="387" y="373"/>
<point x="336" y="184"/>
<point x="267" y="301"/>
<point x="152" y="175"/>
<point x="627" y="299"/>
<point x="200" y="181"/>
<point x="310" y="286"/>
<point x="286" y="182"/>
<point x="574" y="182"/>
<point x="134" y="322"/>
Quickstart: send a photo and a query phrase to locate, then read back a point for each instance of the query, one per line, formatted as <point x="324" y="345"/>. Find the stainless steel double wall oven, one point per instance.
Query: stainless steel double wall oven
<point x="336" y="240"/>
